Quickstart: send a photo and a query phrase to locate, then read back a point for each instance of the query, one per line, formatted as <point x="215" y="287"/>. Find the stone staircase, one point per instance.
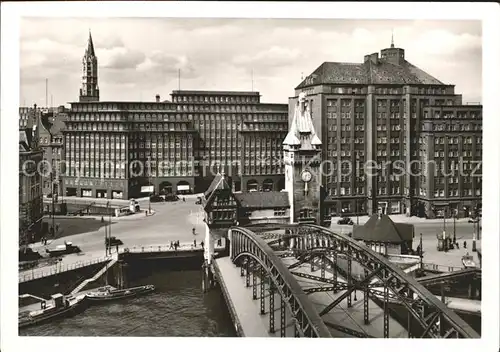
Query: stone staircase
<point x="96" y="276"/>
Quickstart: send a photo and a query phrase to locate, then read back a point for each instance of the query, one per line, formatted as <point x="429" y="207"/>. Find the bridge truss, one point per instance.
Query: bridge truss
<point x="260" y="253"/>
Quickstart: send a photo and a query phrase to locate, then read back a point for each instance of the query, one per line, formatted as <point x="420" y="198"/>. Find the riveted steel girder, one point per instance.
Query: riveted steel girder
<point x="393" y="282"/>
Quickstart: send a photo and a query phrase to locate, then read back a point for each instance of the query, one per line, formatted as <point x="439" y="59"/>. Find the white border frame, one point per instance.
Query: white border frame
<point x="11" y="13"/>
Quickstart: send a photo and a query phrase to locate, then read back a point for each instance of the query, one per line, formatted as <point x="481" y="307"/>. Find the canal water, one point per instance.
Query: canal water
<point x="178" y="308"/>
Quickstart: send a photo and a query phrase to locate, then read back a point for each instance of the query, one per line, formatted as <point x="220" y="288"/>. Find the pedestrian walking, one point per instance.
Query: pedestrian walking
<point x="194" y="242"/>
<point x="465" y="244"/>
<point x="202" y="245"/>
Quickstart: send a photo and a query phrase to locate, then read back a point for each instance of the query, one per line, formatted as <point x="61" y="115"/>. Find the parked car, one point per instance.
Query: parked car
<point x="345" y="221"/>
<point x="66" y="248"/>
<point x="171" y="198"/>
<point x="473" y="220"/>
<point x="28" y="254"/>
<point x="156" y="198"/>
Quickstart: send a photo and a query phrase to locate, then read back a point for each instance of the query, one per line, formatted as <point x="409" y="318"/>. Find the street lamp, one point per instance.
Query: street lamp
<point x="455" y="214"/>
<point x="107" y="233"/>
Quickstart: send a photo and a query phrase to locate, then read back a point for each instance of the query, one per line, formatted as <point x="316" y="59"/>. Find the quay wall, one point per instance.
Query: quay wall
<point x="232" y="311"/>
<point x="63" y="282"/>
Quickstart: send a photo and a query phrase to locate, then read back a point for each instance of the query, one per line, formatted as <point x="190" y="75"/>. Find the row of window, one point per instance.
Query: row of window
<point x="215" y="99"/>
<point x="455" y="193"/>
<point x="455" y="140"/>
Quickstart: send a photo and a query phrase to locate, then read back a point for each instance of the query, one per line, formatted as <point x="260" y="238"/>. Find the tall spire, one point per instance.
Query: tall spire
<point x="90" y="87"/>
<point x="392" y="39"/>
<point x="90" y="47"/>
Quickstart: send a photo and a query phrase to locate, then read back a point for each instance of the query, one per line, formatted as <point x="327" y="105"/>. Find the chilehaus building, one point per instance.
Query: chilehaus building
<point x="115" y="149"/>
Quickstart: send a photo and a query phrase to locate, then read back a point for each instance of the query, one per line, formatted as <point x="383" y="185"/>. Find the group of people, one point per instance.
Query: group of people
<point x="202" y="244"/>
<point x="174" y="245"/>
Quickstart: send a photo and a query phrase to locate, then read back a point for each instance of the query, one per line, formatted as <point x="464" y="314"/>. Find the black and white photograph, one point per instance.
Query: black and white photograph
<point x="262" y="173"/>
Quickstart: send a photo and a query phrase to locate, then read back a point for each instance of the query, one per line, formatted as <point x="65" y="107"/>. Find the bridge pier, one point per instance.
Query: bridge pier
<point x="119" y="274"/>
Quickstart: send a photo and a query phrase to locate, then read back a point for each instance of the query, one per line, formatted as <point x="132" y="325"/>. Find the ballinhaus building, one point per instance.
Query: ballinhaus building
<point x="387" y="113"/>
<point x="113" y="149"/>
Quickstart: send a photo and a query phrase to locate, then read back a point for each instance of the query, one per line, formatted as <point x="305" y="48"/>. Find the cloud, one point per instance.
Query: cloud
<point x="141" y="56"/>
<point x="120" y="58"/>
<point x="274" y="56"/>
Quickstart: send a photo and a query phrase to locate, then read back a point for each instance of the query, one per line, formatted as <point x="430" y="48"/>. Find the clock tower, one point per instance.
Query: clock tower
<point x="302" y="157"/>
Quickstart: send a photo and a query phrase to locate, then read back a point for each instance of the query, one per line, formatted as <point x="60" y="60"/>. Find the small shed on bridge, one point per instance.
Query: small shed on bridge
<point x="385" y="236"/>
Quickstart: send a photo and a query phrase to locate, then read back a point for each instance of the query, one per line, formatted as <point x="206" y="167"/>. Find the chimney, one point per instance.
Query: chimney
<point x="157" y="98"/>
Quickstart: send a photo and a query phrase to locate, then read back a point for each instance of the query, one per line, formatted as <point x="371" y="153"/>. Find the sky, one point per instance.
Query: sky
<point x="141" y="57"/>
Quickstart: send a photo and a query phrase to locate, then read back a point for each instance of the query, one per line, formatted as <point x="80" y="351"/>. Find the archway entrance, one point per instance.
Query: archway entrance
<point x="166" y="188"/>
<point x="267" y="185"/>
<point x="252" y="186"/>
<point x="183" y="187"/>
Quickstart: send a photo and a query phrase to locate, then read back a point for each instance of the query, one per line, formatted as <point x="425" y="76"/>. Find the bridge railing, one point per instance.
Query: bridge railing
<point x="435" y="317"/>
<point x="244" y="243"/>
<point x="38" y="273"/>
<point x="165" y="248"/>
<point x="440" y="268"/>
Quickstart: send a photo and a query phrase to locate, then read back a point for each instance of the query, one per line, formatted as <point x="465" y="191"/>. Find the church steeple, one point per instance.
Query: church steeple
<point x="90" y="88"/>
<point x="90" y="47"/>
<point x="392" y="39"/>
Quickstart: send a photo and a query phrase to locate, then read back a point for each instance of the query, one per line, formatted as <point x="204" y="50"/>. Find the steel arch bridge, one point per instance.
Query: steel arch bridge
<point x="260" y="253"/>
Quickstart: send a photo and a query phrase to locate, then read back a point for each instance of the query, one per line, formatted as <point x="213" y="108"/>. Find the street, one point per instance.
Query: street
<point x="174" y="221"/>
<point x="171" y="221"/>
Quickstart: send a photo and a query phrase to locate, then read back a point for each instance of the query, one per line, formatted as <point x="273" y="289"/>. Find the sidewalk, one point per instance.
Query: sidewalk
<point x="141" y="214"/>
<point x="403" y="219"/>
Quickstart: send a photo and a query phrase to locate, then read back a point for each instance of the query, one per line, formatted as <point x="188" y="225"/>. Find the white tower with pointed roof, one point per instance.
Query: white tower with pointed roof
<point x="302" y="157"/>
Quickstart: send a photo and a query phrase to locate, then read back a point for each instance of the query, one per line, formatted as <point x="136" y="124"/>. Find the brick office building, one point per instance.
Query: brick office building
<point x="375" y="111"/>
<point x="181" y="144"/>
<point x="237" y="135"/>
<point x="451" y="153"/>
<point x="30" y="182"/>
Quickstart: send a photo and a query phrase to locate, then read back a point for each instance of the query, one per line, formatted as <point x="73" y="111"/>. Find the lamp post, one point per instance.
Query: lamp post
<point x="455" y="214"/>
<point x="107" y="232"/>
<point x="149" y="177"/>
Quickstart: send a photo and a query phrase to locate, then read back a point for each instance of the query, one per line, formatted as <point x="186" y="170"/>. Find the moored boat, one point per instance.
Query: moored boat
<point x="468" y="261"/>
<point x="108" y="294"/>
<point x="59" y="307"/>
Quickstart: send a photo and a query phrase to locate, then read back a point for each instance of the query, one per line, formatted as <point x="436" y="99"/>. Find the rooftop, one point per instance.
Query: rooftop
<point x="383" y="229"/>
<point x="373" y="71"/>
<point x="219" y="182"/>
<point x="263" y="200"/>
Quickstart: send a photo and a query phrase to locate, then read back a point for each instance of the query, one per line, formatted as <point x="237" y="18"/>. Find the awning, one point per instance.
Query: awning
<point x="183" y="188"/>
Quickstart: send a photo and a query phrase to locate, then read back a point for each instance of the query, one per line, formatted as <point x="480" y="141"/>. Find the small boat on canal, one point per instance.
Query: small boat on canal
<point x="108" y="294"/>
<point x="60" y="307"/>
<point x="468" y="261"/>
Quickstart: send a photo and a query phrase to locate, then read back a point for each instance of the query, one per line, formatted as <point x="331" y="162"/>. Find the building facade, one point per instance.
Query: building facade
<point x="370" y="115"/>
<point x="30" y="183"/>
<point x="225" y="208"/>
<point x="237" y="135"/>
<point x="50" y="141"/>
<point x="116" y="149"/>
<point x="451" y="154"/>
